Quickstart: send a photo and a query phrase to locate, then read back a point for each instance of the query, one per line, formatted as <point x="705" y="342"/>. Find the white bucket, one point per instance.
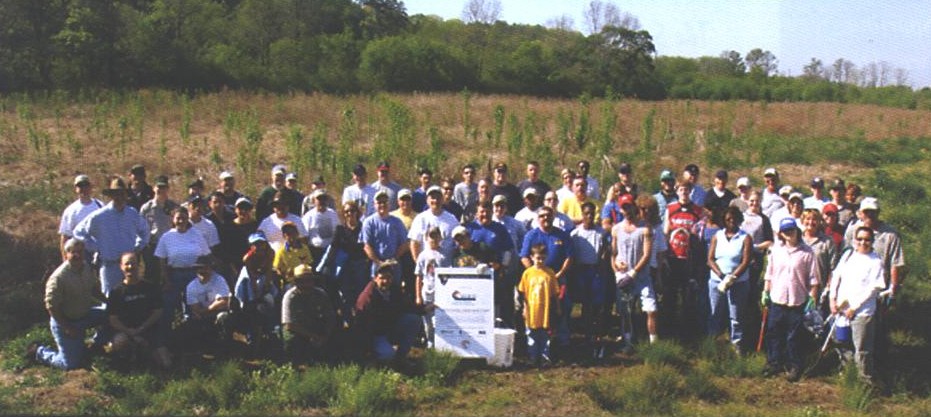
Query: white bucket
<point x="504" y="348"/>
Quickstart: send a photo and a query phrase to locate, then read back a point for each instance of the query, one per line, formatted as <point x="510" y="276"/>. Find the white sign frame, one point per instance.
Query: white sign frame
<point x="465" y="312"/>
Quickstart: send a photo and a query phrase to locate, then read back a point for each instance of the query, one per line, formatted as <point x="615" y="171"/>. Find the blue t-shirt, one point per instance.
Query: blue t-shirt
<point x="494" y="235"/>
<point x="558" y="246"/>
<point x="384" y="235"/>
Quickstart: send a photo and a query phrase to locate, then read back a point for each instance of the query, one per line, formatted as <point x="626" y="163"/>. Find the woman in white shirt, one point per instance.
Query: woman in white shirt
<point x="177" y="251"/>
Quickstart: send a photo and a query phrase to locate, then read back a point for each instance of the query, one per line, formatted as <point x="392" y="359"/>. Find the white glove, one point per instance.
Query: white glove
<point x="726" y="283"/>
<point x="482" y="269"/>
<point x="623" y="279"/>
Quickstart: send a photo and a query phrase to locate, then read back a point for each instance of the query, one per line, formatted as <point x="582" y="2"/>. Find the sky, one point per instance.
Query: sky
<point x="897" y="32"/>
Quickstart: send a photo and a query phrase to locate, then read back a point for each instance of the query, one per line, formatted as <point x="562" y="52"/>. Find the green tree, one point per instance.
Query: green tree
<point x="622" y="60"/>
<point x="27" y="50"/>
<point x="760" y="63"/>
<point x="406" y="63"/>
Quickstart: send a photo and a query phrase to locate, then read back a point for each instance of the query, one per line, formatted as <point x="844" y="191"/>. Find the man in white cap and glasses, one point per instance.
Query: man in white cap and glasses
<point x="78" y="210"/>
<point x="263" y="206"/>
<point x="888" y="245"/>
<point x="228" y="188"/>
<point x="744" y="190"/>
<point x="433" y="216"/>
<point x="112" y="231"/>
<point x="532" y="201"/>
<point x="771" y="199"/>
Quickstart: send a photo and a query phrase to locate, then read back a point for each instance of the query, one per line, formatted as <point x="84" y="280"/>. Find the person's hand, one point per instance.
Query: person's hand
<point x="764" y="299"/>
<point x="850" y="313"/>
<point x="562" y="291"/>
<point x="623" y="279"/>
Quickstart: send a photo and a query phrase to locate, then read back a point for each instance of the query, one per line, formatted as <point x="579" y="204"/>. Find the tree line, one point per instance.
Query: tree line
<point x="351" y="46"/>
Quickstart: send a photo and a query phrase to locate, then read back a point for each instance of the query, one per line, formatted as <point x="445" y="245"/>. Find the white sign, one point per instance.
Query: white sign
<point x="465" y="312"/>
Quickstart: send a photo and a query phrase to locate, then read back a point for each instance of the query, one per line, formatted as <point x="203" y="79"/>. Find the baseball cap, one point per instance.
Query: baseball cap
<point x="721" y="175"/>
<point x="785" y="190"/>
<point x="203" y="260"/>
<point x="279" y="170"/>
<point x="290" y="176"/>
<point x="795" y="196"/>
<point x="460" y="230"/>
<point x="743" y="182"/>
<point x="666" y="175"/>
<point x="381" y="193"/>
<point x="817" y="182"/>
<point x="869" y="203"/>
<point x="435" y="189"/>
<point x="692" y="169"/>
<point x="501" y="166"/>
<point x="317" y="194"/>
<point x="137" y="169"/>
<point x="384" y="166"/>
<point x="82" y="180"/>
<point x="770" y="172"/>
<point x="243" y="202"/>
<point x="258" y="236"/>
<point x="304" y="271"/>
<point x="499" y="199"/>
<point x="787" y="223"/>
<point x="625" y="200"/>
<point x="404" y="193"/>
<point x="829" y="208"/>
<point x="161" y="181"/>
<point x="359" y="170"/>
<point x="624" y="168"/>
<point x="838" y="185"/>
<point x="530" y="191"/>
<point x="225" y="175"/>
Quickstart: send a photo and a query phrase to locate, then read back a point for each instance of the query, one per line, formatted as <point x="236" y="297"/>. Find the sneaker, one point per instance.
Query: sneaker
<point x="545" y="362"/>
<point x="31" y="352"/>
<point x="794" y="374"/>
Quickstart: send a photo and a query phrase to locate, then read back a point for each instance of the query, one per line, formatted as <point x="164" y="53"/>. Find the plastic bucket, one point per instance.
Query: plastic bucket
<point x="842" y="332"/>
<point x="504" y="348"/>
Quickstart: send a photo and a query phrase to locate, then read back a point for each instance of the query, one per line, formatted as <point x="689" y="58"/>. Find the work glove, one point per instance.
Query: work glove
<point x="623" y="279"/>
<point x="726" y="282"/>
<point x="764" y="299"/>
<point x="809" y="304"/>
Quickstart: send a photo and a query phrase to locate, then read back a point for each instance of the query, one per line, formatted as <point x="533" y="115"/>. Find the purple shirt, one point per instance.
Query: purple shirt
<point x="791" y="272"/>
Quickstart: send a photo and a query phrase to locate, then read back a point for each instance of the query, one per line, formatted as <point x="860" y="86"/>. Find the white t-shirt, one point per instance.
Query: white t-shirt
<point x="74" y="213"/>
<point x="181" y="249"/>
<point x="208" y="230"/>
<point x="271" y="226"/>
<point x="857" y="279"/>
<point x="427" y="261"/>
<point x="320" y="226"/>
<point x="424" y="221"/>
<point x="206" y="293"/>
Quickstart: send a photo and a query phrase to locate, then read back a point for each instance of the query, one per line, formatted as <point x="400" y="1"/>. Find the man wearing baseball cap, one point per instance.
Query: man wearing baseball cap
<point x="384" y="237"/>
<point x="263" y="206"/>
<point x="228" y="188"/>
<point x="886" y="243"/>
<point x="77" y="210"/>
<point x="817" y="198"/>
<point x="690" y="175"/>
<point x="742" y="201"/>
<point x="667" y="192"/>
<point x="139" y="190"/>
<point x="384" y="182"/>
<point x="718" y="197"/>
<point x="771" y="199"/>
<point x="503" y="187"/>
<point x="360" y="192"/>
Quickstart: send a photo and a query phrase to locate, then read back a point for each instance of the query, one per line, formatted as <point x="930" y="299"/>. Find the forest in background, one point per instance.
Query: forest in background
<point x="353" y="46"/>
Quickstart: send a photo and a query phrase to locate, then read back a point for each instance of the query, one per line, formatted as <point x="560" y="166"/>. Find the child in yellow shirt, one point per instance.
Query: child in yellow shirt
<point x="540" y="290"/>
<point x="294" y="252"/>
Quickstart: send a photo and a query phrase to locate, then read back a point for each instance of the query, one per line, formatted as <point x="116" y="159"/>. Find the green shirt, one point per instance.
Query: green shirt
<point x="72" y="292"/>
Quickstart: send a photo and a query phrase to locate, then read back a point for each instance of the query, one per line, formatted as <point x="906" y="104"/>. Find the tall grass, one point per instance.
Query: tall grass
<point x="642" y="390"/>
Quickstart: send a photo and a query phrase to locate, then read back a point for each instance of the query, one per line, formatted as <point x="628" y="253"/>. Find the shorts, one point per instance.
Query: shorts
<point x="642" y="287"/>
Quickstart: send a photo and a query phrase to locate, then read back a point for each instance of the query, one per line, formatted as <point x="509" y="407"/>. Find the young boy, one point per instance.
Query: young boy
<point x="425" y="271"/>
<point x="539" y="290"/>
<point x="294" y="252"/>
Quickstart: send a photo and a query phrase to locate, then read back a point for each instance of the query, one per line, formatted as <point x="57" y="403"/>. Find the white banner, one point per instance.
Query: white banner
<point x="465" y="312"/>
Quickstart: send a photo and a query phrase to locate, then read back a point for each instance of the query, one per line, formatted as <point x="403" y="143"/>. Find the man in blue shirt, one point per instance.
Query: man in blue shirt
<point x="111" y="231"/>
<point x="496" y="237"/>
<point x="558" y="258"/>
<point x="384" y="237"/>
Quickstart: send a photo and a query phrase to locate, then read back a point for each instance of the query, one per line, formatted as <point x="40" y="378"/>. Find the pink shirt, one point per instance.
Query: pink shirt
<point x="791" y="272"/>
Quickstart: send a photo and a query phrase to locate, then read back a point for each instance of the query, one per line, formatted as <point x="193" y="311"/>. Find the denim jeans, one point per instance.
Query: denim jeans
<point x="783" y="335"/>
<point x="178" y="279"/>
<point x="403" y="334"/>
<point x="110" y="276"/>
<point x="863" y="333"/>
<point x="736" y="302"/>
<point x="538" y="343"/>
<point x="71" y="352"/>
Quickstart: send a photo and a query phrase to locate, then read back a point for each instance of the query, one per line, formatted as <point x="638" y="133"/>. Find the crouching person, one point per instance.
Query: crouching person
<point x="385" y="317"/>
<point x="134" y="308"/>
<point x="73" y="300"/>
<point x="308" y="318"/>
<point x="207" y="320"/>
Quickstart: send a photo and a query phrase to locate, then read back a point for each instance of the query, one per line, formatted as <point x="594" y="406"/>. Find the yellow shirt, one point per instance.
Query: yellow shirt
<point x="407" y="220"/>
<point x="288" y="257"/>
<point x="539" y="287"/>
<point x="572" y="207"/>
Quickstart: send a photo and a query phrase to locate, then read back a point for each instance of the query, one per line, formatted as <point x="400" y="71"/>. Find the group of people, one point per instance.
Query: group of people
<point x="305" y="270"/>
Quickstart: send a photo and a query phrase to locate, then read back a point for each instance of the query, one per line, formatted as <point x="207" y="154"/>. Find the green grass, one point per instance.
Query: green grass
<point x="643" y="389"/>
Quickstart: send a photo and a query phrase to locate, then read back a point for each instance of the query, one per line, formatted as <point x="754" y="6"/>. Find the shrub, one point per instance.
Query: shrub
<point x="645" y="389"/>
<point x="855" y="394"/>
<point x="373" y="393"/>
<point x="663" y="352"/>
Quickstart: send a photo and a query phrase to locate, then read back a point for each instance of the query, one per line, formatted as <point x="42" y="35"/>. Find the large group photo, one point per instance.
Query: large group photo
<point x="230" y="207"/>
